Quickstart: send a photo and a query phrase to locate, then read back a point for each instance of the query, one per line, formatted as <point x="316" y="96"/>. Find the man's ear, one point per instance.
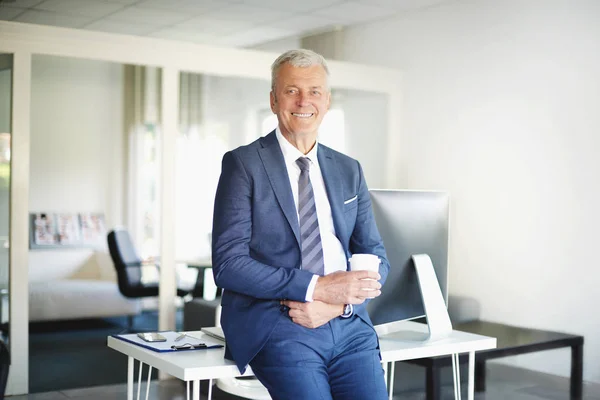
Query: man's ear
<point x="273" y="101"/>
<point x="328" y="100"/>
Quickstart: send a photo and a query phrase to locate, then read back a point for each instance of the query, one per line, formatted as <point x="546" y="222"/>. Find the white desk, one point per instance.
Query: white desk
<point x="397" y="343"/>
<point x="210" y="364"/>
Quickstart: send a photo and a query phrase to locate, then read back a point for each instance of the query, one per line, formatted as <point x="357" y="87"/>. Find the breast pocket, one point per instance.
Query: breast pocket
<point x="351" y="204"/>
<point x="350" y="211"/>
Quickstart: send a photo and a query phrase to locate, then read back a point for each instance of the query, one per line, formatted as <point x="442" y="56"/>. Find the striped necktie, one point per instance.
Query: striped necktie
<point x="312" y="248"/>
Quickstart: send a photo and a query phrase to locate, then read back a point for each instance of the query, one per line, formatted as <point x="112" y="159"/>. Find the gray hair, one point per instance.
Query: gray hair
<point x="298" y="58"/>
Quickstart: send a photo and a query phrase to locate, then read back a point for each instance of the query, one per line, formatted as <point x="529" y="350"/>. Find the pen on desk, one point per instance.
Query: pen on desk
<point x="189" y="346"/>
<point x="178" y="338"/>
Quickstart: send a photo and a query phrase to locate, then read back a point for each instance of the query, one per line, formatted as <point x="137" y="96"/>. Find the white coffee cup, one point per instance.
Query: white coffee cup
<point x="365" y="262"/>
<point x="362" y="262"/>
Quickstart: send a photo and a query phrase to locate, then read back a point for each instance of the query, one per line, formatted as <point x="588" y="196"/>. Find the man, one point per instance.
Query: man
<point x="289" y="212"/>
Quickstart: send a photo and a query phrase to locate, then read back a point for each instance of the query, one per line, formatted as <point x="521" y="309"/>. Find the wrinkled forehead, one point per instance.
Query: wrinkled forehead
<point x="313" y="76"/>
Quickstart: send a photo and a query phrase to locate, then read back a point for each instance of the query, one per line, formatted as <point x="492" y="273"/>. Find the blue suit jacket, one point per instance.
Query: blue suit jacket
<point x="256" y="238"/>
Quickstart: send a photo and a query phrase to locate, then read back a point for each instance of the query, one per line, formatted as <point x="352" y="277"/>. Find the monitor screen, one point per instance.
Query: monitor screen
<point x="410" y="222"/>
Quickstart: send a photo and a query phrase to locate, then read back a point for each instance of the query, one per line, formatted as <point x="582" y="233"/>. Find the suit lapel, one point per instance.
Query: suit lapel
<point x="274" y="164"/>
<point x="335" y="191"/>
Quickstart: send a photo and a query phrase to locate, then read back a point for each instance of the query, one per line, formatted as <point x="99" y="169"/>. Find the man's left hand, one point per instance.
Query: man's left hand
<point x="313" y="314"/>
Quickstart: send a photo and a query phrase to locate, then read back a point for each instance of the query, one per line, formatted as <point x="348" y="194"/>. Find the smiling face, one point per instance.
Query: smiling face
<point x="300" y="100"/>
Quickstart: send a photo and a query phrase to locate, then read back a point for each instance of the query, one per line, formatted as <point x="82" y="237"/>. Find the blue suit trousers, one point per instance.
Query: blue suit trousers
<point x="339" y="360"/>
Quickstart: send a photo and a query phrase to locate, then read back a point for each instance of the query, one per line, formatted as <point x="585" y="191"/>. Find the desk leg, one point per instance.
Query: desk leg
<point x="196" y="387"/>
<point x="130" y="362"/>
<point x="149" y="377"/>
<point x="385" y="374"/>
<point x="210" y="389"/>
<point x="577" y="371"/>
<point x="456" y="373"/>
<point x="391" y="380"/>
<point x="480" y="375"/>
<point x="139" y="384"/>
<point x="471" y="392"/>
<point x="433" y="382"/>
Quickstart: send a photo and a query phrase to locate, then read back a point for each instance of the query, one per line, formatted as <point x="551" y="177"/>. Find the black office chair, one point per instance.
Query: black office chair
<point x="128" y="265"/>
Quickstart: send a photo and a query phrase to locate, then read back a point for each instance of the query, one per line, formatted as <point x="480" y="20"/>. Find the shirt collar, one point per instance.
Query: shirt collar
<point x="291" y="153"/>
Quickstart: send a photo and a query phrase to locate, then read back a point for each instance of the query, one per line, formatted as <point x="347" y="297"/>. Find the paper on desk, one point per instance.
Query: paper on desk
<point x="215" y="332"/>
<point x="166" y="346"/>
<point x="209" y="341"/>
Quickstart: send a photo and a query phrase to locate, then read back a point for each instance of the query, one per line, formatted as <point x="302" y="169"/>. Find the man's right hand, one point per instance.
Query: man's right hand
<point x="345" y="287"/>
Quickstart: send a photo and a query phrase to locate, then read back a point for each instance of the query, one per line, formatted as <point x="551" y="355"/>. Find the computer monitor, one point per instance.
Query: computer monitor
<point x="410" y="222"/>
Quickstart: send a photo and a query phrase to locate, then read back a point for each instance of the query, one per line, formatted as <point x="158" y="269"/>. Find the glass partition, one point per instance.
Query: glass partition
<point x="6" y="64"/>
<point x="77" y="191"/>
<point x="216" y="114"/>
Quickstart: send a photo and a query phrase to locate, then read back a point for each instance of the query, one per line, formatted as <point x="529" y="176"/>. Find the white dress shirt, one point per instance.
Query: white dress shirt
<point x="334" y="256"/>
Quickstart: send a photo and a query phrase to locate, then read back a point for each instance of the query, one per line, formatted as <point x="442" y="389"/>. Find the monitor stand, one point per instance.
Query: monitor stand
<point x="438" y="320"/>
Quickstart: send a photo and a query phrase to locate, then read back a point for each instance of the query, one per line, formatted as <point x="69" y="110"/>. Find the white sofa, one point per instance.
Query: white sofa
<point x="75" y="284"/>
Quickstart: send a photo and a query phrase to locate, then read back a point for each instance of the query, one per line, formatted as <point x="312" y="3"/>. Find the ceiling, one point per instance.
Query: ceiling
<point x="233" y="23"/>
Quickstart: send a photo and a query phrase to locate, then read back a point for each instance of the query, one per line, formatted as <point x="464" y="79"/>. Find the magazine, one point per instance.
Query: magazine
<point x="44" y="232"/>
<point x="69" y="231"/>
<point x="93" y="228"/>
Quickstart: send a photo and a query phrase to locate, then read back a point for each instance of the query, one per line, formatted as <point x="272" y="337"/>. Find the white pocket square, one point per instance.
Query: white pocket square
<point x="351" y="200"/>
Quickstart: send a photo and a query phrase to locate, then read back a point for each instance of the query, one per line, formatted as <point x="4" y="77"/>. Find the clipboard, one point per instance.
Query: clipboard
<point x="188" y="343"/>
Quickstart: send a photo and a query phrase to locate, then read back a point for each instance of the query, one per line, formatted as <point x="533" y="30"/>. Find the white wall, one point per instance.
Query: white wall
<point x="76" y="145"/>
<point x="366" y="131"/>
<point x="501" y="109"/>
<point x="76" y="136"/>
